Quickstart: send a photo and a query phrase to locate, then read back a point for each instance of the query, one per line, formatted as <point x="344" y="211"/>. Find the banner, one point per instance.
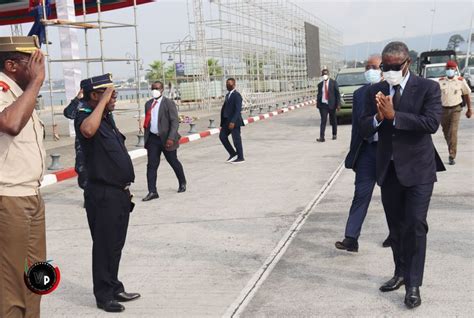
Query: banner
<point x="19" y="11"/>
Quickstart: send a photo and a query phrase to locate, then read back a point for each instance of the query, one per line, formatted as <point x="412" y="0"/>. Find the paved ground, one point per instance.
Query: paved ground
<point x="191" y="254"/>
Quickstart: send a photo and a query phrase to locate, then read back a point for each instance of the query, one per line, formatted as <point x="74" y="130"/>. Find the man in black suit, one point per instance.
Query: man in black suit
<point x="328" y="102"/>
<point x="161" y="135"/>
<point x="404" y="111"/>
<point x="361" y="159"/>
<point x="231" y="121"/>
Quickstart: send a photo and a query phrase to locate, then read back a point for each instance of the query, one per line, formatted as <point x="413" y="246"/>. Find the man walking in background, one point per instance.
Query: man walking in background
<point x="361" y="159"/>
<point x="22" y="158"/>
<point x="231" y="121"/>
<point x="328" y="102"/>
<point x="161" y="136"/>
<point x="453" y="91"/>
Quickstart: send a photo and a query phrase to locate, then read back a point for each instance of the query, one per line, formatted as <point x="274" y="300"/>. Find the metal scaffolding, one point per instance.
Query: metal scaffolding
<point x="260" y="43"/>
<point x="87" y="26"/>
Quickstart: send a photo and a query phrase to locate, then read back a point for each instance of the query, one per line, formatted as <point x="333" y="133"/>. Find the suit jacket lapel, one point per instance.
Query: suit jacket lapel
<point x="408" y="92"/>
<point x="162" y="106"/>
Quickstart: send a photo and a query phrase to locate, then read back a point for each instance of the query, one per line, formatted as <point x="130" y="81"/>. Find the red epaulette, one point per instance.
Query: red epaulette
<point x="460" y="78"/>
<point x="442" y="78"/>
<point x="4" y="87"/>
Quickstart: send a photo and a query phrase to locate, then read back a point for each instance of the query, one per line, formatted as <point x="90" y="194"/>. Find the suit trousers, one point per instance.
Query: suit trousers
<point x="22" y="239"/>
<point x="450" y="124"/>
<point x="324" y="111"/>
<point x="154" y="148"/>
<point x="406" y="209"/>
<point x="365" y="179"/>
<point x="108" y="213"/>
<point x="236" y="138"/>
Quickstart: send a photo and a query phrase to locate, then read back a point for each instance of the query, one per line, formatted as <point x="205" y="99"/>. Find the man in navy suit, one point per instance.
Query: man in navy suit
<point x="404" y="111"/>
<point x="361" y="159"/>
<point x="328" y="102"/>
<point x="231" y="121"/>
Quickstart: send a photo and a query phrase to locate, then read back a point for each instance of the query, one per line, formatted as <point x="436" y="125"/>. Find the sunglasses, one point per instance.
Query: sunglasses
<point x="392" y="67"/>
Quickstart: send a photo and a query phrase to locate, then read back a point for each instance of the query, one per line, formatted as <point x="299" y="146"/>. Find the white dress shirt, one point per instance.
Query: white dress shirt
<point x="154" y="116"/>
<point x="323" y="97"/>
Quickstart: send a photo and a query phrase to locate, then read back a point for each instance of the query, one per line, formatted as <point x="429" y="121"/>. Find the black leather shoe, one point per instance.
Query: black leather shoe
<point x="151" y="196"/>
<point x="393" y="284"/>
<point x="451" y="161"/>
<point x="111" y="306"/>
<point x="386" y="243"/>
<point x="348" y="244"/>
<point x="334" y="137"/>
<point x="412" y="297"/>
<point x="124" y="296"/>
<point x="320" y="140"/>
<point x="182" y="188"/>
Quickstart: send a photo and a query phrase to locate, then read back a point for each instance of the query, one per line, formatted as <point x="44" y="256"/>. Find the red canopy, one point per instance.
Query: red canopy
<point x="17" y="11"/>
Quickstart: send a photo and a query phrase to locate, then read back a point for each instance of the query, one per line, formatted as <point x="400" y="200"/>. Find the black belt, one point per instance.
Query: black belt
<point x="458" y="105"/>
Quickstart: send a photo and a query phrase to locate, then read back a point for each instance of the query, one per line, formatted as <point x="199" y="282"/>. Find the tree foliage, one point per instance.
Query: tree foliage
<point x="455" y="41"/>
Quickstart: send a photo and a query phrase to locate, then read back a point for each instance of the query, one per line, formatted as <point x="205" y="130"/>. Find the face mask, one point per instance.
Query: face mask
<point x="325" y="77"/>
<point x="450" y="73"/>
<point x="372" y="76"/>
<point x="393" y="77"/>
<point x="156" y="93"/>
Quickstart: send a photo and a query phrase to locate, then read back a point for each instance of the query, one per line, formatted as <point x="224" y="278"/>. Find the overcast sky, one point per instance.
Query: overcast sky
<point x="359" y="21"/>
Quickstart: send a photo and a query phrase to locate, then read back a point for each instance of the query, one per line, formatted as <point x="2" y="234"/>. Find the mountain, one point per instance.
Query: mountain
<point x="360" y="51"/>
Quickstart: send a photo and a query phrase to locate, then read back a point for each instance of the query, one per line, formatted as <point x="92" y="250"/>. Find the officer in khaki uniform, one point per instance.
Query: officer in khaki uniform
<point x="453" y="91"/>
<point x="22" y="160"/>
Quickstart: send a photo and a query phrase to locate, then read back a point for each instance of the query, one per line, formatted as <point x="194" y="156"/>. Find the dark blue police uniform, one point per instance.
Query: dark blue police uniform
<point x="107" y="201"/>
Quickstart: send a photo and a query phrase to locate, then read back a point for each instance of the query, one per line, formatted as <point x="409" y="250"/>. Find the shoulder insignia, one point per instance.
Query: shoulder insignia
<point x="460" y="78"/>
<point x="85" y="110"/>
<point x="442" y="78"/>
<point x="4" y="87"/>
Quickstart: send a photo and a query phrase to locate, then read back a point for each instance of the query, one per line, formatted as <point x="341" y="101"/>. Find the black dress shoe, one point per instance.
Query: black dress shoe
<point x="151" y="196"/>
<point x="124" y="296"/>
<point x="451" y="161"/>
<point x="387" y="242"/>
<point x="393" y="284"/>
<point x="348" y="244"/>
<point x="320" y="140"/>
<point x="334" y="137"/>
<point x="412" y="297"/>
<point x="182" y="188"/>
<point x="111" y="306"/>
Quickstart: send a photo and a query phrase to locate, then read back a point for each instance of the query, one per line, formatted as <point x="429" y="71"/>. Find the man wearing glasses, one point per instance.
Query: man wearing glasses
<point x="404" y="111"/>
<point x="22" y="162"/>
<point x="107" y="197"/>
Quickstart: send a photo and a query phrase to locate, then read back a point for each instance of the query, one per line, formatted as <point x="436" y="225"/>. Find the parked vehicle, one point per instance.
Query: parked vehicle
<point x="349" y="79"/>
<point x="468" y="74"/>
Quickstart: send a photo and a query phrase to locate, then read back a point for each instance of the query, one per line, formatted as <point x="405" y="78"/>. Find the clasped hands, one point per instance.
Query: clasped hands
<point x="385" y="108"/>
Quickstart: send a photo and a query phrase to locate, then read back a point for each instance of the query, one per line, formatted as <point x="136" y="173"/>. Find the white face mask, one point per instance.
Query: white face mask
<point x="156" y="93"/>
<point x="449" y="72"/>
<point x="393" y="77"/>
<point x="372" y="76"/>
<point x="325" y="77"/>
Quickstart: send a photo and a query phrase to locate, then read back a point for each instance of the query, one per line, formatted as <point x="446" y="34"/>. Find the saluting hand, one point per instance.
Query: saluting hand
<point x="107" y="94"/>
<point x="36" y="66"/>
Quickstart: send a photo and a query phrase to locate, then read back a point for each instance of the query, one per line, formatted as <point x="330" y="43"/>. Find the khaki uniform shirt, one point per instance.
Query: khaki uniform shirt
<point x="452" y="90"/>
<point x="22" y="157"/>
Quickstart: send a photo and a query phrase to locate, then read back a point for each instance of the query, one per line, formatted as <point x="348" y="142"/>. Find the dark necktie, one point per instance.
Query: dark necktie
<point x="396" y="97"/>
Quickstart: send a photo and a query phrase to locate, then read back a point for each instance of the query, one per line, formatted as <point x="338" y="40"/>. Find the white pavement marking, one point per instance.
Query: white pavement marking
<point x="246" y="121"/>
<point x="134" y="154"/>
<point x="48" y="179"/>
<point x="256" y="118"/>
<point x="194" y="137"/>
<point x="214" y="131"/>
<point x="246" y="295"/>
<point x="266" y="116"/>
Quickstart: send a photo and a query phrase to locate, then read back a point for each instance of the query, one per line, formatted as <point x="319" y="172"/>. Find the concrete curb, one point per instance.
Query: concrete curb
<point x="69" y="173"/>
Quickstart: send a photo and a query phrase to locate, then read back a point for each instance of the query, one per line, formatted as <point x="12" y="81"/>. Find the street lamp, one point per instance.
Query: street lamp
<point x="432" y="24"/>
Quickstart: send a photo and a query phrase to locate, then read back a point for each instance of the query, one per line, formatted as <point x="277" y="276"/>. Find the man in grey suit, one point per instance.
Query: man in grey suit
<point x="161" y="135"/>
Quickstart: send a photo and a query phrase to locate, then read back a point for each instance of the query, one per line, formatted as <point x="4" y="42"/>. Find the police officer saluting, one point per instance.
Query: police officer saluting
<point x="454" y="89"/>
<point x="107" y="198"/>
